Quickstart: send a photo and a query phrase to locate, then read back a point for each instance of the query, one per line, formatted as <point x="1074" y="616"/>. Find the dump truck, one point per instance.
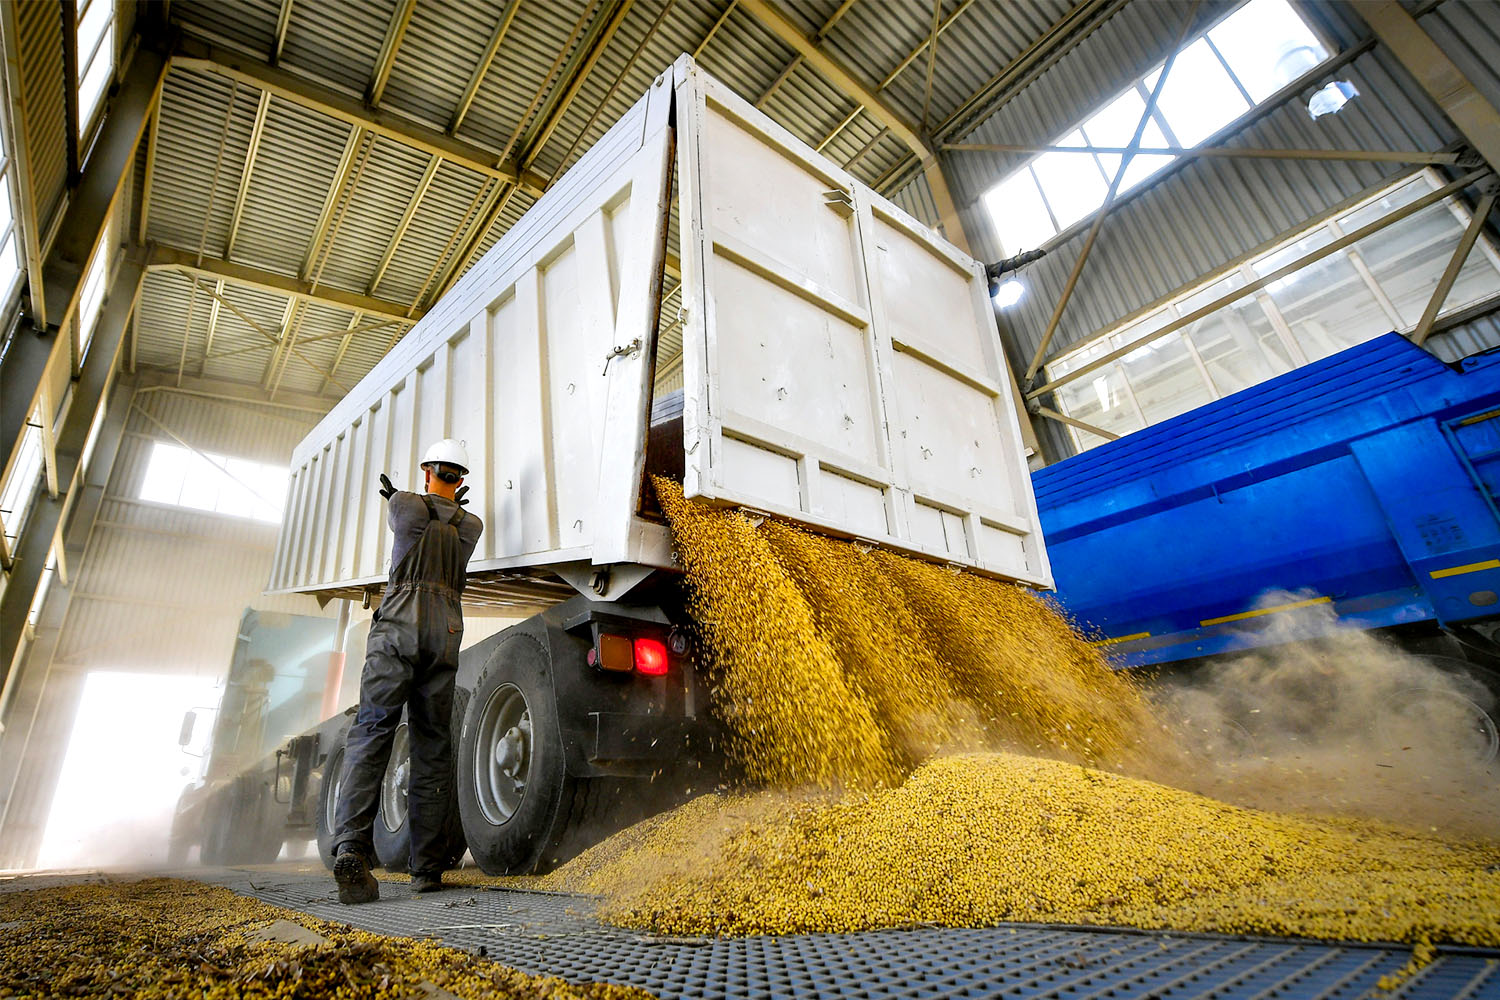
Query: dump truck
<point x="825" y="358"/>
<point x="1360" y="492"/>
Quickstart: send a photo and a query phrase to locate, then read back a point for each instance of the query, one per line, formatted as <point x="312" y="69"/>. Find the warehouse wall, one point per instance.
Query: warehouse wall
<point x="160" y="589"/>
<point x="1202" y="215"/>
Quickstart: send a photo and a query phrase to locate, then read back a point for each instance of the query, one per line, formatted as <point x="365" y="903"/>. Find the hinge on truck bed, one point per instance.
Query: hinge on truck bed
<point x="618" y="351"/>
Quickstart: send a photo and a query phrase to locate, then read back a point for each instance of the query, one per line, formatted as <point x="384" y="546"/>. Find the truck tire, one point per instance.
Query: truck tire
<point x="515" y="798"/>
<point x="264" y="826"/>
<point x="1469" y="702"/>
<point x="392" y="830"/>
<point x="218" y="830"/>
<point x="242" y="827"/>
<point x="328" y="797"/>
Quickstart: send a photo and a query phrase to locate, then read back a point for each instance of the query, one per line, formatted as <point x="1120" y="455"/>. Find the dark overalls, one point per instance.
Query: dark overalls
<point x="410" y="659"/>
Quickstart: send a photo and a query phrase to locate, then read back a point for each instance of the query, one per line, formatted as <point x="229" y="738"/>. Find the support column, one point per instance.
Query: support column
<point x="47" y="513"/>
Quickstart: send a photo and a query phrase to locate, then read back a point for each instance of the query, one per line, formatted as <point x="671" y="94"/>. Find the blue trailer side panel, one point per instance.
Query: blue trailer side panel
<point x="1365" y="483"/>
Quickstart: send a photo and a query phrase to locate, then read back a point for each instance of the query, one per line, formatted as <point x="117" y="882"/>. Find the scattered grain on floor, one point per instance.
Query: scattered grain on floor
<point x="167" y="938"/>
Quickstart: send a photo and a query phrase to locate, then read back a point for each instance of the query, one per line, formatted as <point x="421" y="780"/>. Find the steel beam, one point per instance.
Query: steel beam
<point x="257" y="132"/>
<point x="283" y="21"/>
<point x="386" y="61"/>
<point x="482" y="67"/>
<point x="495" y="204"/>
<point x="353" y="331"/>
<point x="1109" y="198"/>
<point x="1041" y="54"/>
<point x="213" y="325"/>
<point x="203" y="58"/>
<point x="231" y="272"/>
<point x="46" y="513"/>
<point x="1405" y="211"/>
<point x="93" y="202"/>
<point x="275" y="340"/>
<point x="586" y="56"/>
<point x="1438" y="74"/>
<point x="155" y="380"/>
<point x="932" y="51"/>
<point x="514" y="141"/>
<point x="714" y="30"/>
<point x="913" y="55"/>
<point x="890" y="77"/>
<point x="838" y="74"/>
<point x="150" y="178"/>
<point x="1063" y="418"/>
<point x="338" y="357"/>
<point x="413" y="202"/>
<point x="817" y="38"/>
<point x="70" y="85"/>
<point x="603" y="102"/>
<point x="354" y="146"/>
<point x="1455" y="264"/>
<point x="1221" y="152"/>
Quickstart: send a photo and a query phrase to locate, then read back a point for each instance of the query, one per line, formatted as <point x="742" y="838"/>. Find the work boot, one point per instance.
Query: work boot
<point x="352" y="872"/>
<point x="427" y="881"/>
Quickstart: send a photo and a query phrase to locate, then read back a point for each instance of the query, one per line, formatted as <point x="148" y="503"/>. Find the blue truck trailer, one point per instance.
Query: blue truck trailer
<point x="1359" y="491"/>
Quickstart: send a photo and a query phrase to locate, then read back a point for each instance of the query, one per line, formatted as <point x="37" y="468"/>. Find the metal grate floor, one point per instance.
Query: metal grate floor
<point x="554" y="934"/>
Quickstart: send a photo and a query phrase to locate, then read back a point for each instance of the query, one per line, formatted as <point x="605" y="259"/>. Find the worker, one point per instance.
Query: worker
<point x="411" y="658"/>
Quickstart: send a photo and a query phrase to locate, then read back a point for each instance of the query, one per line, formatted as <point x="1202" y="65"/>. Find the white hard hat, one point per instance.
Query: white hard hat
<point x="448" y="452"/>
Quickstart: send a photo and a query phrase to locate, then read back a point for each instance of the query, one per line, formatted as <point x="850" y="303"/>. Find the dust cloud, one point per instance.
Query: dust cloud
<point x="1331" y="720"/>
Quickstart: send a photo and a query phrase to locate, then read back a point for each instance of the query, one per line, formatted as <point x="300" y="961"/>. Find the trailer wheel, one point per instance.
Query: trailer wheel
<point x="1461" y="717"/>
<point x="512" y="779"/>
<point x="328" y="798"/>
<point x="392" y="831"/>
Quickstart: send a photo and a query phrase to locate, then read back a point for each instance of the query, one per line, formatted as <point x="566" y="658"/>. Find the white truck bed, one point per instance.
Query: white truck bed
<point x="840" y="361"/>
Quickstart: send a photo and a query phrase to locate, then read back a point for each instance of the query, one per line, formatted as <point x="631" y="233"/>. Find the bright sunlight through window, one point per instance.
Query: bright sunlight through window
<point x="233" y="486"/>
<point x="96" y="58"/>
<point x="124" y="770"/>
<point x="1215" y="79"/>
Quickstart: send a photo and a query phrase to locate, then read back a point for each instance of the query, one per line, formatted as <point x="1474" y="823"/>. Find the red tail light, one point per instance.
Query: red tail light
<point x="651" y="657"/>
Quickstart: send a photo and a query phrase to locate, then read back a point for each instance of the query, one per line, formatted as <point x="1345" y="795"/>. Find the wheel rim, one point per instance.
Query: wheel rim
<point x="1419" y="711"/>
<point x="334" y="781"/>
<point x="396" y="784"/>
<point x="502" y="758"/>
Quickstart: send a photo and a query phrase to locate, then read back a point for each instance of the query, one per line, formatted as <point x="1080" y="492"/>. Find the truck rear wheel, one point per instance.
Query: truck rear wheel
<point x="392" y="831"/>
<point x="512" y="778"/>
<point x="1456" y="715"/>
<point x="328" y="798"/>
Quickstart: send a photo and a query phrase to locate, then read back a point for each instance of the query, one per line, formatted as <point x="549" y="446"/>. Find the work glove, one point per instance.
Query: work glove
<point x="458" y="497"/>
<point x="386" y="489"/>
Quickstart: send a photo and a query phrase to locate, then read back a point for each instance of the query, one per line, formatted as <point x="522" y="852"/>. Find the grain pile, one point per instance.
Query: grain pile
<point x="832" y="665"/>
<point x="935" y="748"/>
<point x="976" y="839"/>
<point x="169" y="938"/>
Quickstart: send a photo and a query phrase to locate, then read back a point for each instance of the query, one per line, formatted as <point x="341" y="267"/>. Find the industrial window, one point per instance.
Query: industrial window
<point x="1378" y="284"/>
<point x="20" y="488"/>
<point x="1216" y="78"/>
<point x="10" y="239"/>
<point x="91" y="300"/>
<point x="96" y="58"/>
<point x="217" y="483"/>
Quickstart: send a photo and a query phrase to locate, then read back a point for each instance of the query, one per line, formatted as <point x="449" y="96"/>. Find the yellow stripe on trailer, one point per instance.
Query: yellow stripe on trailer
<point x="1123" y="638"/>
<point x="1266" y="611"/>
<point x="1438" y="574"/>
